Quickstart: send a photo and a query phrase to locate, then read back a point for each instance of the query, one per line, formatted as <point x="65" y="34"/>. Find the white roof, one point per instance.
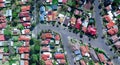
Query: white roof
<point x="60" y="15"/>
<point x="59" y="0"/>
<point x="110" y="14"/>
<point x="85" y="24"/>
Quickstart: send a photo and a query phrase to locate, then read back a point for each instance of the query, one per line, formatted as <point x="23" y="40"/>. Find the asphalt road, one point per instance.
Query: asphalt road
<point x="99" y="43"/>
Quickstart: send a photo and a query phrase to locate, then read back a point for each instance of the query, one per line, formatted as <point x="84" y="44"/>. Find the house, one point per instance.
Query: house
<point x="73" y="21"/>
<point x="101" y="57"/>
<point x="91" y="30"/>
<point x="9" y="12"/>
<point x="93" y="55"/>
<point x="59" y="56"/>
<point x="117" y="44"/>
<point x="1" y="56"/>
<point x="110" y="24"/>
<point x="42" y="18"/>
<point x="24" y="62"/>
<point x="23" y="50"/>
<point x="25" y="19"/>
<point x="25" y="8"/>
<point x="82" y="62"/>
<point x="64" y="1"/>
<point x="57" y="37"/>
<point x="78" y="24"/>
<point x="23" y="2"/>
<point x="76" y="12"/>
<point x="77" y="52"/>
<point x="61" y="18"/>
<point x="26" y="24"/>
<point x="2" y="19"/>
<point x="61" y="61"/>
<point x="112" y="31"/>
<point x="45" y="57"/>
<point x="25" y="56"/>
<point x="24" y="14"/>
<point x="42" y="8"/>
<point x="45" y="42"/>
<point x="114" y="38"/>
<point x="107" y="18"/>
<point x="49" y="1"/>
<point x="2" y="1"/>
<point x="2" y="37"/>
<point x="84" y="50"/>
<point x="24" y="38"/>
<point x="54" y="15"/>
<point x="15" y="31"/>
<point x="2" y="25"/>
<point x="84" y="29"/>
<point x="45" y="49"/>
<point x="26" y="31"/>
<point x="2" y="5"/>
<point x="66" y="21"/>
<point x="26" y="43"/>
<point x="48" y="62"/>
<point x="49" y="16"/>
<point x="46" y="36"/>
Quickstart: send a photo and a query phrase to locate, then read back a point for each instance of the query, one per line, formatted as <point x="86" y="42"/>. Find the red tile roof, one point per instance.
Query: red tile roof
<point x="2" y="25"/>
<point x="26" y="62"/>
<point x="117" y="45"/>
<point x="101" y="57"/>
<point x="78" y="24"/>
<point x="62" y="61"/>
<point x="84" y="29"/>
<point x="2" y="4"/>
<point x="54" y="15"/>
<point x="27" y="31"/>
<point x="84" y="49"/>
<point x="92" y="30"/>
<point x="73" y="21"/>
<point x="64" y="1"/>
<point x="25" y="8"/>
<point x="45" y="49"/>
<point x="110" y="24"/>
<point x="23" y="49"/>
<point x="2" y="19"/>
<point x="57" y="37"/>
<point x="48" y="62"/>
<point x="24" y="14"/>
<point x="112" y="31"/>
<point x="46" y="36"/>
<point x="24" y="38"/>
<point x="45" y="56"/>
<point x="1" y="1"/>
<point x="59" y="56"/>
<point x="107" y="17"/>
<point x="2" y="38"/>
<point x="25" y="24"/>
<point x="26" y="56"/>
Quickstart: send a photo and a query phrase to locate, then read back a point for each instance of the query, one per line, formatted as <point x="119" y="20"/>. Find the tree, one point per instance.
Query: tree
<point x="34" y="58"/>
<point x="7" y="33"/>
<point x="20" y="26"/>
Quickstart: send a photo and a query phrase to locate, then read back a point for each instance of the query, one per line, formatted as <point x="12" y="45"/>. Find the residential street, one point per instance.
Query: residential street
<point x="96" y="43"/>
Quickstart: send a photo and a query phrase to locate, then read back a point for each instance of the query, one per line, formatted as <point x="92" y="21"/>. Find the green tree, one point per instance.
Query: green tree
<point x="20" y="26"/>
<point x="34" y="58"/>
<point x="7" y="33"/>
